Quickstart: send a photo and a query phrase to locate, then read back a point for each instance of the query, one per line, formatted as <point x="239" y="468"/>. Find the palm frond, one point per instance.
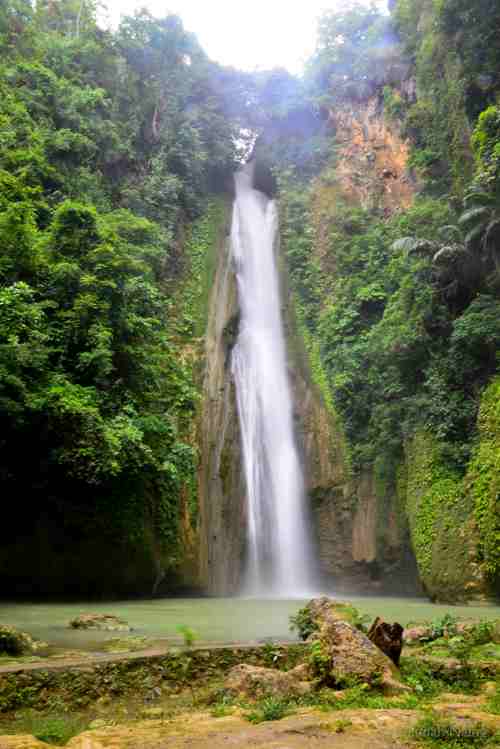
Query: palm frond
<point x="450" y="255"/>
<point x="450" y="233"/>
<point x="425" y="247"/>
<point x="492" y="234"/>
<point x="474" y="234"/>
<point x="478" y="199"/>
<point x="405" y="244"/>
<point x="473" y="215"/>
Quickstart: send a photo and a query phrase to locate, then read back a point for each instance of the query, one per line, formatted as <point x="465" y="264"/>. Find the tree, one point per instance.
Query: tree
<point x="357" y="52"/>
<point x="481" y="219"/>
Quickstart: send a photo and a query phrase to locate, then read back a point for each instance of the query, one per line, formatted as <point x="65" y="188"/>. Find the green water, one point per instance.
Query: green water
<point x="213" y="619"/>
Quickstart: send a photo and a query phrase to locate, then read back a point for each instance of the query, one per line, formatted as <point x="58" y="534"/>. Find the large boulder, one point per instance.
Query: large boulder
<point x="255" y="682"/>
<point x="104" y="622"/>
<point x="343" y="654"/>
<point x="14" y="642"/>
<point x="307" y="619"/>
<point x="323" y="607"/>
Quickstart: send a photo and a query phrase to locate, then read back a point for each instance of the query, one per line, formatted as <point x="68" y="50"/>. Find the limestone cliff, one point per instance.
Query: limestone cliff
<point x="372" y="161"/>
<point x="361" y="541"/>
<point x="220" y="479"/>
<point x="362" y="535"/>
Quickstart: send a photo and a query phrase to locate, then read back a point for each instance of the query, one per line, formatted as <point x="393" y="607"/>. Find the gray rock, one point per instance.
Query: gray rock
<point x="103" y="622"/>
<point x="341" y="653"/>
<point x="256" y="682"/>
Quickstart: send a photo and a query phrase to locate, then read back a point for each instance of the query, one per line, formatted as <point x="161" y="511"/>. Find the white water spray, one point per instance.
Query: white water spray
<point x="279" y="555"/>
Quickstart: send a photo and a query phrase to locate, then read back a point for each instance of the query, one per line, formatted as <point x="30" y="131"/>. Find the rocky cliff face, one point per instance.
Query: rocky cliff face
<point x="372" y="159"/>
<point x="220" y="485"/>
<point x="361" y="531"/>
<point x="362" y="542"/>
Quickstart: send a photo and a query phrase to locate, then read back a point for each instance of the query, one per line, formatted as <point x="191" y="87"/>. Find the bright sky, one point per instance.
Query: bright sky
<point x="247" y="34"/>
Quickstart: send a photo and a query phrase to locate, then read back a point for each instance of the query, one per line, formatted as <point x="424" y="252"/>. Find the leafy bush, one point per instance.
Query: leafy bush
<point x="270" y="708"/>
<point x="188" y="634"/>
<point x="446" y="626"/>
<point x="303" y="623"/>
<point x="442" y="734"/>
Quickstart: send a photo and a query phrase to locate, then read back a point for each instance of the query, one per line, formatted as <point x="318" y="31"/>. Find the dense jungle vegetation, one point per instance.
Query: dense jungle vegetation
<point x="116" y="152"/>
<point x="110" y="143"/>
<point x="401" y="308"/>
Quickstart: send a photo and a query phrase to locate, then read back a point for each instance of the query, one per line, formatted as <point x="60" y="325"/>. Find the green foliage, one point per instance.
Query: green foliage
<point x="428" y="685"/>
<point x="486" y="144"/>
<point x="221" y="711"/>
<point x="320" y="664"/>
<point x="442" y="505"/>
<point x="57" y="731"/>
<point x="356" y="697"/>
<point x="478" y="49"/>
<point x="437" y="119"/>
<point x="109" y="143"/>
<point x="494" y="702"/>
<point x="420" y="678"/>
<point x="342" y="725"/>
<point x="303" y="623"/>
<point x="439" y="512"/>
<point x="270" y="708"/>
<point x="445" y="626"/>
<point x="356" y="53"/>
<point x="13" y="642"/>
<point x="399" y="313"/>
<point x="435" y="731"/>
<point x="374" y="324"/>
<point x="483" y="479"/>
<point x="53" y="727"/>
<point x="200" y="259"/>
<point x="394" y="104"/>
<point x="188" y="634"/>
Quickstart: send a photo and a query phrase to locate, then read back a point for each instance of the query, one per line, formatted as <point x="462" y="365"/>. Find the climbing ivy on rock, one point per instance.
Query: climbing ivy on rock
<point x="483" y="479"/>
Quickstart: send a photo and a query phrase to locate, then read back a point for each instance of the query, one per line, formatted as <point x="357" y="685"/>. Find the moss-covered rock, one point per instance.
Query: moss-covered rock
<point x="14" y="642"/>
<point x="255" y="681"/>
<point x="442" y="527"/>
<point x="483" y="483"/>
<point x="342" y="654"/>
<point x="455" y="520"/>
<point x="105" y="622"/>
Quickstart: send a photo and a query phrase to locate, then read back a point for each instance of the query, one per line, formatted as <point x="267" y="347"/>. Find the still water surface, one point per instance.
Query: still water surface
<point x="213" y="619"/>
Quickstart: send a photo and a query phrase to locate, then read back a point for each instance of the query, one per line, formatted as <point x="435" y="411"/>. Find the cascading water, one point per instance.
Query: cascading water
<point x="279" y="554"/>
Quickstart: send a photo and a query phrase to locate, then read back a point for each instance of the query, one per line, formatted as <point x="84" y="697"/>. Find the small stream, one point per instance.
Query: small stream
<point x="223" y="620"/>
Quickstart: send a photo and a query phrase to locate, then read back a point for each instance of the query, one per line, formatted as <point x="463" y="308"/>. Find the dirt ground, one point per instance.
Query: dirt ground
<point x="307" y="728"/>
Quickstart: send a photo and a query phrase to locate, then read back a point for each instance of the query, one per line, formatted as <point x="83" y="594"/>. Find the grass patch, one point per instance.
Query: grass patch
<point x="422" y="679"/>
<point x="270" y="708"/>
<point x="360" y="696"/>
<point x="342" y="725"/>
<point x="52" y="729"/>
<point x="221" y="711"/>
<point x="493" y="704"/>
<point x="223" y="706"/>
<point x="437" y="733"/>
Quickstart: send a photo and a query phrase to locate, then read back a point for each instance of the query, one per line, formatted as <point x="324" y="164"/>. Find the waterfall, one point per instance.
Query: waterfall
<point x="279" y="550"/>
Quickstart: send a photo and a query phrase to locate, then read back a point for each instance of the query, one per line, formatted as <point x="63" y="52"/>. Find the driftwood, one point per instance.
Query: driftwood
<point x="388" y="638"/>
